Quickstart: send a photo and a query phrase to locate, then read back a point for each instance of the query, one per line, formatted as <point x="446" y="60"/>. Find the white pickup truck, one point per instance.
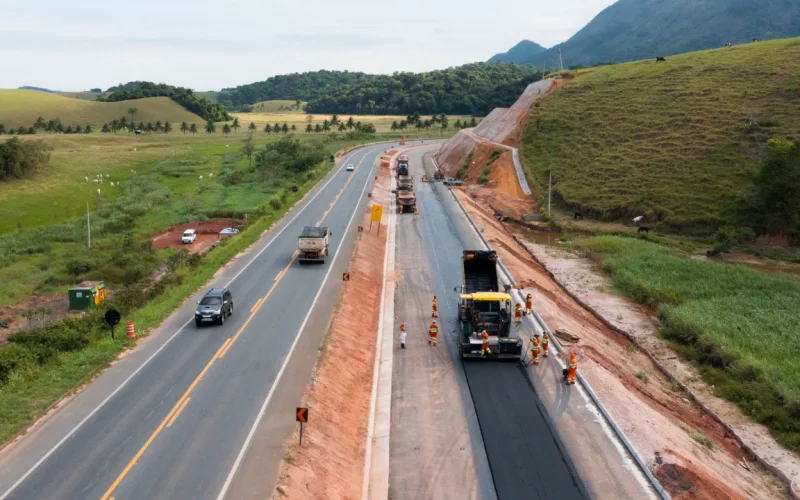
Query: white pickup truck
<point x="313" y="244"/>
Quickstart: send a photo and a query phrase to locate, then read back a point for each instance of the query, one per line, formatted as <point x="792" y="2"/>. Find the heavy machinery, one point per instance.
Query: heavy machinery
<point x="482" y="307"/>
<point x="407" y="201"/>
<point x="402" y="165"/>
<point x="312" y="244"/>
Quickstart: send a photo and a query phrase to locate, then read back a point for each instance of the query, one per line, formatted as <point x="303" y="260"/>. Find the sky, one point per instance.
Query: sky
<point x="209" y="45"/>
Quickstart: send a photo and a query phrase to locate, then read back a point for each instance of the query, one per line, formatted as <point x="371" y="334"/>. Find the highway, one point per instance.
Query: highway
<point x="198" y="412"/>
<point x="493" y="402"/>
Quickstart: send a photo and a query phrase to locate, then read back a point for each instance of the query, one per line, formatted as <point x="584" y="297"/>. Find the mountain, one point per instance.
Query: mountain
<point x="522" y="51"/>
<point x="40" y="89"/>
<point x="641" y="29"/>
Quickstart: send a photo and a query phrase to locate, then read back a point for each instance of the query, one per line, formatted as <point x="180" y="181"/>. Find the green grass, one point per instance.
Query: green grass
<point x="739" y="325"/>
<point x="23" y="107"/>
<point x="668" y="140"/>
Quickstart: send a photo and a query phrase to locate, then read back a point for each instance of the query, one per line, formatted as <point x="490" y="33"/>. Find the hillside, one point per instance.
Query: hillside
<point x="630" y="30"/>
<point x="675" y="140"/>
<point x="522" y="51"/>
<point x="23" y="107"/>
<point x="469" y="89"/>
<point x="279" y="106"/>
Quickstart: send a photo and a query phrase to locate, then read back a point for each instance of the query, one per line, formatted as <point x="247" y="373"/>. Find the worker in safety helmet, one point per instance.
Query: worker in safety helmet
<point x="545" y="344"/>
<point x="518" y="314"/>
<point x="528" y="304"/>
<point x="433" y="332"/>
<point x="403" y="335"/>
<point x="434" y="308"/>
<point x="535" y="343"/>
<point x="572" y="369"/>
<point x="485" y="344"/>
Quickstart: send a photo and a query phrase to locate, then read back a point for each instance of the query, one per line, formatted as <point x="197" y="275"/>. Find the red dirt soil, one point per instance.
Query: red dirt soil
<point x="654" y="417"/>
<point x="207" y="235"/>
<point x="330" y="464"/>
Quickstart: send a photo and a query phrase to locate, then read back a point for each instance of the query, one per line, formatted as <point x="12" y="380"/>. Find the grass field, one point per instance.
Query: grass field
<point x="300" y="120"/>
<point x="673" y="140"/>
<point x="211" y="95"/>
<point x="23" y="107"/>
<point x="85" y="95"/>
<point x="739" y="325"/>
<point x="275" y="107"/>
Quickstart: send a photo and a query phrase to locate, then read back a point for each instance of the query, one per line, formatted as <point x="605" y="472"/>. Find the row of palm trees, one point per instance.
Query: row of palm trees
<point x="41" y="125"/>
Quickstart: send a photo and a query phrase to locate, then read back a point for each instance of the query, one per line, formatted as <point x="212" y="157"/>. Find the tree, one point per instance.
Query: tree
<point x="114" y="125"/>
<point x="2" y="129"/>
<point x="236" y="125"/>
<point x="268" y="128"/>
<point x="167" y="127"/>
<point x="335" y="120"/>
<point x="193" y="128"/>
<point x="317" y="128"/>
<point x="473" y="123"/>
<point x="326" y="125"/>
<point x="394" y="126"/>
<point x="368" y="128"/>
<point x="226" y="129"/>
<point x="309" y="129"/>
<point x="252" y="126"/>
<point x="68" y="130"/>
<point x="87" y="129"/>
<point x="141" y="126"/>
<point x="444" y="121"/>
<point x="778" y="186"/>
<point x="249" y="147"/>
<point x="78" y="129"/>
<point x="105" y="129"/>
<point x="40" y="124"/>
<point x="350" y="123"/>
<point x="342" y="127"/>
<point x="132" y="112"/>
<point x="458" y="124"/>
<point x="184" y="127"/>
<point x="294" y="128"/>
<point x="277" y="127"/>
<point x="123" y="122"/>
<point x="210" y="128"/>
<point x="309" y="118"/>
<point x="158" y="126"/>
<point x="149" y="127"/>
<point x="285" y="128"/>
<point x="52" y="126"/>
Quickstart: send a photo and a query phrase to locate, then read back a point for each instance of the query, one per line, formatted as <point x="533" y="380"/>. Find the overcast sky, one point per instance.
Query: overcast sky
<point x="207" y="45"/>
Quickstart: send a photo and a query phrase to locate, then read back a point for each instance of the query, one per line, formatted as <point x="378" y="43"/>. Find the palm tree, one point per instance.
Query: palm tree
<point x="123" y="123"/>
<point x="132" y="112"/>
<point x="184" y="127"/>
<point x="78" y="129"/>
<point x="158" y="126"/>
<point x="458" y="124"/>
<point x="326" y="125"/>
<point x="2" y="129"/>
<point x="294" y="128"/>
<point x="167" y="127"/>
<point x="317" y="128"/>
<point x="473" y="122"/>
<point x="342" y="127"/>
<point x="68" y="130"/>
<point x="226" y="129"/>
<point x="141" y="126"/>
<point x="149" y="127"/>
<point x="394" y="125"/>
<point x="114" y="125"/>
<point x="335" y="120"/>
<point x="193" y="128"/>
<point x="251" y="127"/>
<point x="350" y="123"/>
<point x="235" y="125"/>
<point x="285" y="128"/>
<point x="87" y="129"/>
<point x="40" y="123"/>
<point x="268" y="128"/>
<point x="105" y="129"/>
<point x="210" y="128"/>
<point x="309" y="129"/>
<point x="277" y="127"/>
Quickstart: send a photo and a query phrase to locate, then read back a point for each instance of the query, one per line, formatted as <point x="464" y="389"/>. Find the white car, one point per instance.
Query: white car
<point x="350" y="167"/>
<point x="189" y="236"/>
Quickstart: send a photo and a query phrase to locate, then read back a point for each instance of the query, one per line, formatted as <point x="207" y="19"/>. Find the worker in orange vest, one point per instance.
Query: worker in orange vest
<point x="433" y="332"/>
<point x="435" y="310"/>
<point x="535" y="348"/>
<point x="545" y="344"/>
<point x="572" y="370"/>
<point x="403" y="335"/>
<point x="485" y="344"/>
<point x="518" y="314"/>
<point x="528" y="304"/>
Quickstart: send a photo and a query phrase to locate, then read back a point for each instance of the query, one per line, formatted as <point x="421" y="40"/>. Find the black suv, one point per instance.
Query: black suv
<point x="215" y="306"/>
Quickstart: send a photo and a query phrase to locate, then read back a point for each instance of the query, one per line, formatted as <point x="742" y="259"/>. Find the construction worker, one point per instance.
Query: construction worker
<point x="528" y="304"/>
<point x="402" y="335"/>
<point x="518" y="314"/>
<point x="572" y="370"/>
<point x="433" y="332"/>
<point x="535" y="343"/>
<point x="545" y="344"/>
<point x="435" y="308"/>
<point x="485" y="344"/>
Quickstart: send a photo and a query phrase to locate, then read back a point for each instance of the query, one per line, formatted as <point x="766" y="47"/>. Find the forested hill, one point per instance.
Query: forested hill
<point x="183" y="96"/>
<point x="469" y="89"/>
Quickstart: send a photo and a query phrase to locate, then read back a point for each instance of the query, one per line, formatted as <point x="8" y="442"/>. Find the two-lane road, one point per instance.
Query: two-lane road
<point x="178" y="427"/>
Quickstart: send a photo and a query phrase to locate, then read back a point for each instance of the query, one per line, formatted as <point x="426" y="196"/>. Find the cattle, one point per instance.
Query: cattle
<point x="714" y="252"/>
<point x="294" y="189"/>
<point x="661" y="59"/>
<point x="637" y="220"/>
<point x="644" y="229"/>
<point x="578" y="215"/>
<point x="755" y="40"/>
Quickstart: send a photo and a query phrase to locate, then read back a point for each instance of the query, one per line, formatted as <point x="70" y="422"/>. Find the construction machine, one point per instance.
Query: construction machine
<point x="483" y="307"/>
<point x="312" y="244"/>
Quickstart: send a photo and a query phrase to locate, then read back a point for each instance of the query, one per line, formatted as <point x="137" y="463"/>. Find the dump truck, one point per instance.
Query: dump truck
<point x="312" y="244"/>
<point x="405" y="183"/>
<point x="482" y="306"/>
<point x="402" y="165"/>
<point x="407" y="201"/>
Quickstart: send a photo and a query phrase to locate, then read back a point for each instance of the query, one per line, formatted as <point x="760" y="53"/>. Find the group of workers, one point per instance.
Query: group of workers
<point x="538" y="346"/>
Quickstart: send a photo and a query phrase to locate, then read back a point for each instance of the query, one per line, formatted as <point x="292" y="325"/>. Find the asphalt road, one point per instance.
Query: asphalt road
<point x="525" y="455"/>
<point x="175" y="424"/>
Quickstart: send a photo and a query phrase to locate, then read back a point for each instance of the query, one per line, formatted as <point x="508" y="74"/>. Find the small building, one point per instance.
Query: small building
<point x="86" y="295"/>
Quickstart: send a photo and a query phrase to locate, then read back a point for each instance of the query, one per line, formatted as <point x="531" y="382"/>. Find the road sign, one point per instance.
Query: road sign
<point x="345" y="276"/>
<point x="377" y="213"/>
<point x="302" y="415"/>
<point x="112" y="319"/>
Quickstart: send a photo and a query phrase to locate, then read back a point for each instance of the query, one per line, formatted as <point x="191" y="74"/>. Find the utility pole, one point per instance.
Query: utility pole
<point x="549" y="193"/>
<point x="560" y="62"/>
<point x="88" y="226"/>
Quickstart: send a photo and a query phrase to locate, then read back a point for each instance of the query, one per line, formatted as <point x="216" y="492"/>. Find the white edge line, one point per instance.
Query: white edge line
<point x="300" y="331"/>
<point x="130" y="377"/>
<point x="376" y="370"/>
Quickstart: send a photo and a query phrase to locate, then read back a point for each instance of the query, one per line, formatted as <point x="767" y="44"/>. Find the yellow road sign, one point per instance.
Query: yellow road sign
<point x="377" y="213"/>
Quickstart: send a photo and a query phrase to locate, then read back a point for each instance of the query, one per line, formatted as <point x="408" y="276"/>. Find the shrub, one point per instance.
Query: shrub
<point x="15" y="358"/>
<point x="483" y="179"/>
<point x="79" y="266"/>
<point x="276" y="203"/>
